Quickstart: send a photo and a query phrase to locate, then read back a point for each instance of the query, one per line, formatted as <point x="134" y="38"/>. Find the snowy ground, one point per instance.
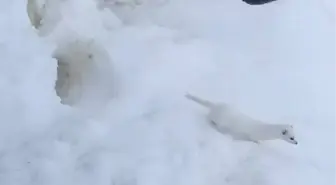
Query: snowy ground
<point x="275" y="62"/>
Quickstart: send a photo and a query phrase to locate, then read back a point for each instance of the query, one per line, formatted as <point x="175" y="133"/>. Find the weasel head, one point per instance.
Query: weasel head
<point x="287" y="134"/>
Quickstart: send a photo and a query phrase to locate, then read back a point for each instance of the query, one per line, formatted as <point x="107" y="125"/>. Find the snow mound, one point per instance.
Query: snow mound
<point x="275" y="62"/>
<point x="84" y="68"/>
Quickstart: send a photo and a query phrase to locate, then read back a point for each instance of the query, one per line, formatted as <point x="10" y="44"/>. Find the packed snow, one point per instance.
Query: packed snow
<point x="275" y="62"/>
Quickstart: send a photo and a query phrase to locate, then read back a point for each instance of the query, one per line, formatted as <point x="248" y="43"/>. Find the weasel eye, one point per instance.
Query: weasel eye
<point x="291" y="138"/>
<point x="284" y="132"/>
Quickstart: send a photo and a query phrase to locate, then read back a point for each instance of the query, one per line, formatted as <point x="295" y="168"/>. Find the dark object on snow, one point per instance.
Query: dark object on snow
<point x="258" y="2"/>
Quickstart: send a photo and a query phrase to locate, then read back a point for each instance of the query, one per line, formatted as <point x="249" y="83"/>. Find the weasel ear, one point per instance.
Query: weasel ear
<point x="284" y="132"/>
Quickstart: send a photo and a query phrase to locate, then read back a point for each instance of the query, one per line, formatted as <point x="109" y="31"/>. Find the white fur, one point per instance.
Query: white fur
<point x="242" y="127"/>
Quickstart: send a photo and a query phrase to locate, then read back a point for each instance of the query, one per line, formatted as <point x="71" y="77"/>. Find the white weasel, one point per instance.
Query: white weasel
<point x="242" y="127"/>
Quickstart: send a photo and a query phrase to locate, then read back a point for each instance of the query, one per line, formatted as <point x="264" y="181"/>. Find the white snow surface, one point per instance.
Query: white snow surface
<point x="275" y="62"/>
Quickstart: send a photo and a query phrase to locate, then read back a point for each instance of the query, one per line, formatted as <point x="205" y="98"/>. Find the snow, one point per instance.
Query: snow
<point x="275" y="62"/>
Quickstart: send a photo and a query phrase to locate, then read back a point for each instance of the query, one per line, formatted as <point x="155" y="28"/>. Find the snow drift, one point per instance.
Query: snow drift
<point x="275" y="62"/>
<point x="84" y="66"/>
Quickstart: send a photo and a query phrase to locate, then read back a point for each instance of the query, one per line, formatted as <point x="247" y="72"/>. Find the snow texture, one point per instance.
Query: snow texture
<point x="275" y="62"/>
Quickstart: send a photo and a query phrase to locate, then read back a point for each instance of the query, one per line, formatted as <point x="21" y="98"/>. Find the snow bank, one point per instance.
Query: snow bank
<point x="265" y="60"/>
<point x="84" y="67"/>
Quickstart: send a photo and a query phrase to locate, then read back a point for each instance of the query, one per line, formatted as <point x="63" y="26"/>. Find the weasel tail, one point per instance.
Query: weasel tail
<point x="205" y="103"/>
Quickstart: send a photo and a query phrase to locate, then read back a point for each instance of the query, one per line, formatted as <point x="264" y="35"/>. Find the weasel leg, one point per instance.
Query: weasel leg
<point x="257" y="142"/>
<point x="252" y="140"/>
<point x="243" y="137"/>
<point x="213" y="123"/>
